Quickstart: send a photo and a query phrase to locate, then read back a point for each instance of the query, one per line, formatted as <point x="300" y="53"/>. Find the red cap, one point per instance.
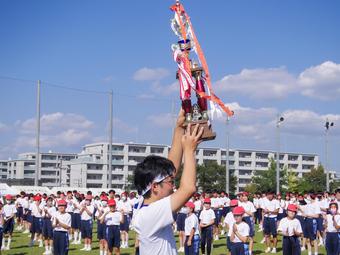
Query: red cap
<point x="238" y="210"/>
<point x="292" y="207"/>
<point x="88" y="197"/>
<point x="234" y="202"/>
<point x="111" y="202"/>
<point x="62" y="202"/>
<point x="37" y="198"/>
<point x="103" y="198"/>
<point x="8" y="197"/>
<point x="190" y="205"/>
<point x="207" y="200"/>
<point x="244" y="193"/>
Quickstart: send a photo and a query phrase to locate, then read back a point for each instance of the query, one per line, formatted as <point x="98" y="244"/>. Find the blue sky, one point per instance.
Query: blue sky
<point x="265" y="58"/>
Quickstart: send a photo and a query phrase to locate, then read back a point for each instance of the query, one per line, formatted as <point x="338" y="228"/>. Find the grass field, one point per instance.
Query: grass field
<point x="20" y="246"/>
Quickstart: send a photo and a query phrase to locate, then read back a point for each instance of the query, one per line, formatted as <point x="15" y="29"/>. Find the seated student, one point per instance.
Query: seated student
<point x="239" y="233"/>
<point x="229" y="220"/>
<point x="47" y="231"/>
<point x="191" y="231"/>
<point x="61" y="225"/>
<point x="332" y="227"/>
<point x="154" y="180"/>
<point x="10" y="211"/>
<point x="291" y="230"/>
<point x="207" y="221"/>
<point x="112" y="220"/>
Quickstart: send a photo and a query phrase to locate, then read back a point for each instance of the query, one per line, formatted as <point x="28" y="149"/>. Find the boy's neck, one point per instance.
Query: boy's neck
<point x="150" y="200"/>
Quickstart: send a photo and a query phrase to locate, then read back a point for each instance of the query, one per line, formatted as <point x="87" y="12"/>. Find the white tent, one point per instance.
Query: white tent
<point x="5" y="189"/>
<point x="33" y="189"/>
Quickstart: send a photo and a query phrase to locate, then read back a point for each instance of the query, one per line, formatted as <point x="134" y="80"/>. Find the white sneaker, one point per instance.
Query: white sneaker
<point x="260" y="230"/>
<point x="7" y="248"/>
<point x="216" y="238"/>
<point x="83" y="249"/>
<point x="26" y="231"/>
<point x="267" y="250"/>
<point x="78" y="242"/>
<point x="222" y="232"/>
<point x="74" y="242"/>
<point x="303" y="248"/>
<point x="88" y="249"/>
<point x="2" y="248"/>
<point x="263" y="241"/>
<point x="274" y="250"/>
<point x="41" y="244"/>
<point x="181" y="249"/>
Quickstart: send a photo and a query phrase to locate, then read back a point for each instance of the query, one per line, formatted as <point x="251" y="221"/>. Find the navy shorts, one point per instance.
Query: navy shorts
<point x="60" y="243"/>
<point x="180" y="221"/>
<point x="269" y="226"/>
<point x="291" y="245"/>
<point x="225" y="211"/>
<point x="29" y="216"/>
<point x="319" y="222"/>
<point x="311" y="226"/>
<point x="101" y="230"/>
<point x="71" y="213"/>
<point x="20" y="213"/>
<point x="218" y="216"/>
<point x="302" y="222"/>
<point x="76" y="221"/>
<point x="1" y="235"/>
<point x="239" y="249"/>
<point x="112" y="236"/>
<point x="228" y="243"/>
<point x="250" y="222"/>
<point x="47" y="229"/>
<point x="86" y="228"/>
<point x="194" y="248"/>
<point x="126" y="224"/>
<point x="280" y="216"/>
<point x="8" y="226"/>
<point x="332" y="243"/>
<point x="37" y="225"/>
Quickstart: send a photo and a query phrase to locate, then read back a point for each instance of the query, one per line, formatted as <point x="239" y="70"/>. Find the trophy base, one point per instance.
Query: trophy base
<point x="208" y="134"/>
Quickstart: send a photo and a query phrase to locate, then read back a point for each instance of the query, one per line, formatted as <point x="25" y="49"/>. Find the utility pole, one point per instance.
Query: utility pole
<point x="110" y="139"/>
<point x="278" y="124"/>
<point x="37" y="156"/>
<point x="327" y="125"/>
<point x="227" y="173"/>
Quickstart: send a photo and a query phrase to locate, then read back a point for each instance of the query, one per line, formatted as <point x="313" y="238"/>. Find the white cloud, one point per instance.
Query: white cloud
<point x="3" y="127"/>
<point x="321" y="81"/>
<point x="150" y="74"/>
<point x="124" y="126"/>
<point x="163" y="120"/>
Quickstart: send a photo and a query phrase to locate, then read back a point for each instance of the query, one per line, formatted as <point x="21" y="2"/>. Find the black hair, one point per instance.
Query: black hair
<point x="89" y="192"/>
<point x="111" y="190"/>
<point x="336" y="205"/>
<point x="149" y="169"/>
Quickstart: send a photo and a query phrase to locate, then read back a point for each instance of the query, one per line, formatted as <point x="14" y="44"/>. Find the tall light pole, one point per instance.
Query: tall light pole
<point x="227" y="184"/>
<point x="327" y="126"/>
<point x="37" y="155"/>
<point x="110" y="139"/>
<point x="278" y="124"/>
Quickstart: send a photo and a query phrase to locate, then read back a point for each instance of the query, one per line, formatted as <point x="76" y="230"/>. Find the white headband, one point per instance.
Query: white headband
<point x="158" y="178"/>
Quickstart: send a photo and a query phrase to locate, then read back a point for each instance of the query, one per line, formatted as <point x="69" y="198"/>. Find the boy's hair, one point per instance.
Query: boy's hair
<point x="151" y="167"/>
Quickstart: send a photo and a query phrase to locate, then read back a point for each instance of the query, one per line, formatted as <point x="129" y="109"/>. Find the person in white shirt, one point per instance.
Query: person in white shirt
<point x="101" y="228"/>
<point x="20" y="211"/>
<point x="198" y="204"/>
<point x="217" y="206"/>
<point x="312" y="213"/>
<point x="270" y="209"/>
<point x="2" y="216"/>
<point x="47" y="231"/>
<point x="180" y="226"/>
<point x="9" y="210"/>
<point x="154" y="180"/>
<point x="61" y="223"/>
<point x="332" y="227"/>
<point x="291" y="230"/>
<point x="239" y="233"/>
<point x="37" y="221"/>
<point x="112" y="220"/>
<point x="70" y="210"/>
<point x="207" y="220"/>
<point x="126" y="207"/>
<point x="191" y="231"/>
<point x="76" y="219"/>
<point x="229" y="220"/>
<point x="282" y="208"/>
<point x="86" y="213"/>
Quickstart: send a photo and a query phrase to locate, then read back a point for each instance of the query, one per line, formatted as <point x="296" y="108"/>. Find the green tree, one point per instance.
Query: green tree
<point x="313" y="181"/>
<point x="292" y="181"/>
<point x="266" y="180"/>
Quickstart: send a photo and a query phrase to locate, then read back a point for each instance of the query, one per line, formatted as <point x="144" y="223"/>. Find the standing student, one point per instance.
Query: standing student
<point x="217" y="206"/>
<point x="191" y="231"/>
<point x="1" y="225"/>
<point x="180" y="226"/>
<point x="312" y="213"/>
<point x="76" y="220"/>
<point x="9" y="210"/>
<point x="207" y="220"/>
<point x="70" y="210"/>
<point x="101" y="227"/>
<point x="112" y="220"/>
<point x="229" y="220"/>
<point x="239" y="233"/>
<point x="20" y="211"/>
<point x="37" y="221"/>
<point x="154" y="180"/>
<point x="47" y="231"/>
<point x="125" y="206"/>
<point x="61" y="225"/>
<point x="301" y="204"/>
<point x="332" y="226"/>
<point x="291" y="230"/>
<point x="270" y="209"/>
<point x="86" y="213"/>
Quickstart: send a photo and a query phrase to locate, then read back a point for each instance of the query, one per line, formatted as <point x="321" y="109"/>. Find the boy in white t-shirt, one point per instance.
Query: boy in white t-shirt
<point x="154" y="180"/>
<point x="332" y="228"/>
<point x="9" y="210"/>
<point x="291" y="230"/>
<point x="207" y="220"/>
<point x="61" y="223"/>
<point x="229" y="220"/>
<point x="239" y="233"/>
<point x="191" y="231"/>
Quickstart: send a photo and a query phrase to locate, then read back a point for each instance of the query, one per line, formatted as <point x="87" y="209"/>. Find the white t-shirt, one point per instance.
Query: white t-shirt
<point x="1" y="217"/>
<point x="225" y="201"/>
<point x="84" y="215"/>
<point x="215" y="203"/>
<point x="36" y="210"/>
<point x="153" y="224"/>
<point x="51" y="211"/>
<point x="330" y="224"/>
<point x="25" y="203"/>
<point x="190" y="223"/>
<point x="242" y="228"/>
<point x="19" y="202"/>
<point x="256" y="202"/>
<point x="282" y="205"/>
<point x="64" y="218"/>
<point x="70" y="206"/>
<point x="9" y="210"/>
<point x="287" y="225"/>
<point x="198" y="205"/>
<point x="271" y="205"/>
<point x="113" y="218"/>
<point x="230" y="220"/>
<point x="101" y="210"/>
<point x="262" y="201"/>
<point x="76" y="205"/>
<point x="312" y="208"/>
<point x="207" y="216"/>
<point x="248" y="207"/>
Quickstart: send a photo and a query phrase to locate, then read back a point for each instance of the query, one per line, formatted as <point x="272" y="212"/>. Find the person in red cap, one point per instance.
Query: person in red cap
<point x="125" y="205"/>
<point x="37" y="221"/>
<point x="239" y="233"/>
<point x="86" y="212"/>
<point x="76" y="219"/>
<point x="191" y="231"/>
<point x="47" y="230"/>
<point x="332" y="228"/>
<point x="9" y="210"/>
<point x="291" y="230"/>
<point x="61" y="223"/>
<point x="112" y="220"/>
<point x="229" y="220"/>
<point x="207" y="221"/>
<point x="102" y="208"/>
